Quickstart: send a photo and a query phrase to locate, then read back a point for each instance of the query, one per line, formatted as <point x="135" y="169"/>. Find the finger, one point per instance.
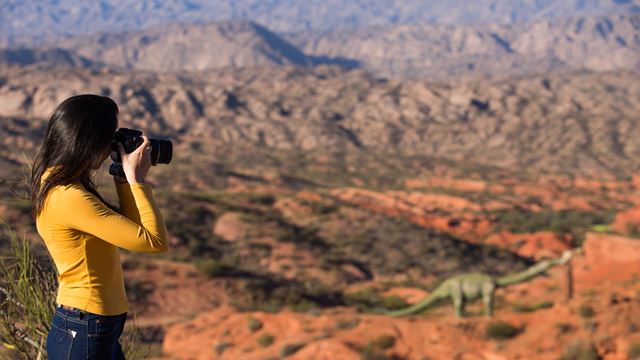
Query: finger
<point x="120" y="149"/>
<point x="145" y="141"/>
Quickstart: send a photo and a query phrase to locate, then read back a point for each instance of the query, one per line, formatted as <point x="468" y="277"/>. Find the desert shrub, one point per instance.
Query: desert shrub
<point x="374" y="350"/>
<point x="387" y="245"/>
<point x="372" y="353"/>
<point x="254" y="324"/>
<point x="384" y="342"/>
<point x="303" y="306"/>
<point x="320" y="208"/>
<point x="131" y="264"/>
<point x="521" y="308"/>
<point x="132" y="341"/>
<point x="290" y="349"/>
<point x="633" y="231"/>
<point x="564" y="328"/>
<point x="217" y="267"/>
<point x="572" y="222"/>
<point x="600" y="228"/>
<point x="27" y="297"/>
<point x="261" y="198"/>
<point x="221" y="347"/>
<point x="266" y="339"/>
<point x="579" y="350"/>
<point x="634" y="351"/>
<point x="271" y="293"/>
<point x="345" y="324"/>
<point x="369" y="299"/>
<point x="169" y="272"/>
<point x="500" y="330"/>
<point x="394" y="302"/>
<point x="586" y="311"/>
<point x="138" y="290"/>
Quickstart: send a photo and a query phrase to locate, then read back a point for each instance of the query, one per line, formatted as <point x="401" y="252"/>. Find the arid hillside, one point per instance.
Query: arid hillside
<point x="575" y="124"/>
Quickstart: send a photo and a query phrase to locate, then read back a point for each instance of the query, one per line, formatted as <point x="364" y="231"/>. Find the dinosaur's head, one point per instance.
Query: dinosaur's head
<point x="566" y="256"/>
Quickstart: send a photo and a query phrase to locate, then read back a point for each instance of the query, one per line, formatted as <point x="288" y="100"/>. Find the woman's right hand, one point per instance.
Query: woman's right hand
<point x="137" y="163"/>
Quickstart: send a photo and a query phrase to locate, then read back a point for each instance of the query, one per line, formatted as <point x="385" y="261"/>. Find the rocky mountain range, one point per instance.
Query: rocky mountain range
<point x="180" y="47"/>
<point x="26" y="22"/>
<point x="599" y="43"/>
<point x="580" y="123"/>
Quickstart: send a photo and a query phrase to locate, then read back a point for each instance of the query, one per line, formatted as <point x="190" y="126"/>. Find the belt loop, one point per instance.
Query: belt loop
<point x="65" y="318"/>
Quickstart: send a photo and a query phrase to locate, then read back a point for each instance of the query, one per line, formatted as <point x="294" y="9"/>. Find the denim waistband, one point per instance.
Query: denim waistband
<point x="73" y="313"/>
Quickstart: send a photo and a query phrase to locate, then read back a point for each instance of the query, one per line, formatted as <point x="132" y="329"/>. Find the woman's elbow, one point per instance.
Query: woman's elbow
<point x="155" y="244"/>
<point x="160" y="247"/>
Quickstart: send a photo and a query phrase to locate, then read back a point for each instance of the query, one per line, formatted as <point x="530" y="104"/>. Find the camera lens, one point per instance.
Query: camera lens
<point x="161" y="151"/>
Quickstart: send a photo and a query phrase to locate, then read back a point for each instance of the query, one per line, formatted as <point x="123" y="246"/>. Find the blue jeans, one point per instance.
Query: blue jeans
<point x="77" y="334"/>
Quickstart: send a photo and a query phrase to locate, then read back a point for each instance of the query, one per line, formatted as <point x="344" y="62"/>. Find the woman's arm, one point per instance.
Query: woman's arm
<point x="80" y="209"/>
<point x="127" y="202"/>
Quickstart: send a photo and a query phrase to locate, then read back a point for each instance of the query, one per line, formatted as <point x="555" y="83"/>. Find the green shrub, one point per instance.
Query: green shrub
<point x="500" y="330"/>
<point x="27" y="298"/>
<point x="374" y="350"/>
<point x="138" y="290"/>
<point x="586" y="311"/>
<point x="261" y="198"/>
<point x="345" y="324"/>
<point x="221" y="267"/>
<point x="394" y="302"/>
<point x="521" y="308"/>
<point x="221" y="347"/>
<point x="634" y="351"/>
<point x="384" y="342"/>
<point x="372" y="353"/>
<point x="368" y="299"/>
<point x="600" y="228"/>
<point x="132" y="263"/>
<point x="254" y="324"/>
<point x="564" y="328"/>
<point x="290" y="349"/>
<point x="266" y="339"/>
<point x="579" y="350"/>
<point x="574" y="222"/>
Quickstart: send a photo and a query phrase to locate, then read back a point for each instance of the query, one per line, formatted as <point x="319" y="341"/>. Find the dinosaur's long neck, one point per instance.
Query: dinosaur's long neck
<point x="527" y="274"/>
<point x="418" y="307"/>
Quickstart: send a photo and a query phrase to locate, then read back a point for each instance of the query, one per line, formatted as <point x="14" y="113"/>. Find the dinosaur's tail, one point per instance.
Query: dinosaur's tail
<point x="416" y="308"/>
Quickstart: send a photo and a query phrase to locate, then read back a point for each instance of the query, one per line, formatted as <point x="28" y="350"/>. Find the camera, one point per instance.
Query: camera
<point x="161" y="150"/>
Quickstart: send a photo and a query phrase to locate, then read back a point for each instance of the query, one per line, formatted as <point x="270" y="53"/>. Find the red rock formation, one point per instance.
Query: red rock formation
<point x="537" y="245"/>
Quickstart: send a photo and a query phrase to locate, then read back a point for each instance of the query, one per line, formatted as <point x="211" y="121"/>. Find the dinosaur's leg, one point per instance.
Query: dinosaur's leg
<point x="458" y="300"/>
<point x="488" y="292"/>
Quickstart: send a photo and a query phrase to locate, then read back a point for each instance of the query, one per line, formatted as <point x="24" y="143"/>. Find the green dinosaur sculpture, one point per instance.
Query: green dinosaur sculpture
<point x="466" y="287"/>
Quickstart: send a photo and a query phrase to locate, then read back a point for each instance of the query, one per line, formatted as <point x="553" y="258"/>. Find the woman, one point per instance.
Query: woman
<point x="83" y="232"/>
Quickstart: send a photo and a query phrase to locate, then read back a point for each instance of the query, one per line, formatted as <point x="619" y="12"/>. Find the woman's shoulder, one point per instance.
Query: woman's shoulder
<point x="69" y="192"/>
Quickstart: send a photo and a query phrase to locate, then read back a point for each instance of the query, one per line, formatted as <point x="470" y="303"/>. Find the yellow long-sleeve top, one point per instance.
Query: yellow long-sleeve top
<point x="83" y="235"/>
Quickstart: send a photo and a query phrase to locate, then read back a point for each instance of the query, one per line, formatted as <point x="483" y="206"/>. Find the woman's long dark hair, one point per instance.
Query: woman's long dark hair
<point x="80" y="131"/>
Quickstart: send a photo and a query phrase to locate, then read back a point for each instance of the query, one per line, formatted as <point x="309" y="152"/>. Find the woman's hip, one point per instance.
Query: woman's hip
<point x="78" y="334"/>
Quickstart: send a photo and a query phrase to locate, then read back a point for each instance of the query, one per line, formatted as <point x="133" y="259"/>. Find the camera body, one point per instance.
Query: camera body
<point x="161" y="150"/>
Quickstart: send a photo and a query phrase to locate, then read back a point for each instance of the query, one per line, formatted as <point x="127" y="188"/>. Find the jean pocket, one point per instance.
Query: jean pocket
<point x="59" y="343"/>
<point x="103" y="326"/>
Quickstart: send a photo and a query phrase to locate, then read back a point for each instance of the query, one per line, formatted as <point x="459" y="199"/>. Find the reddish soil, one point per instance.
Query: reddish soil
<point x="607" y="279"/>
